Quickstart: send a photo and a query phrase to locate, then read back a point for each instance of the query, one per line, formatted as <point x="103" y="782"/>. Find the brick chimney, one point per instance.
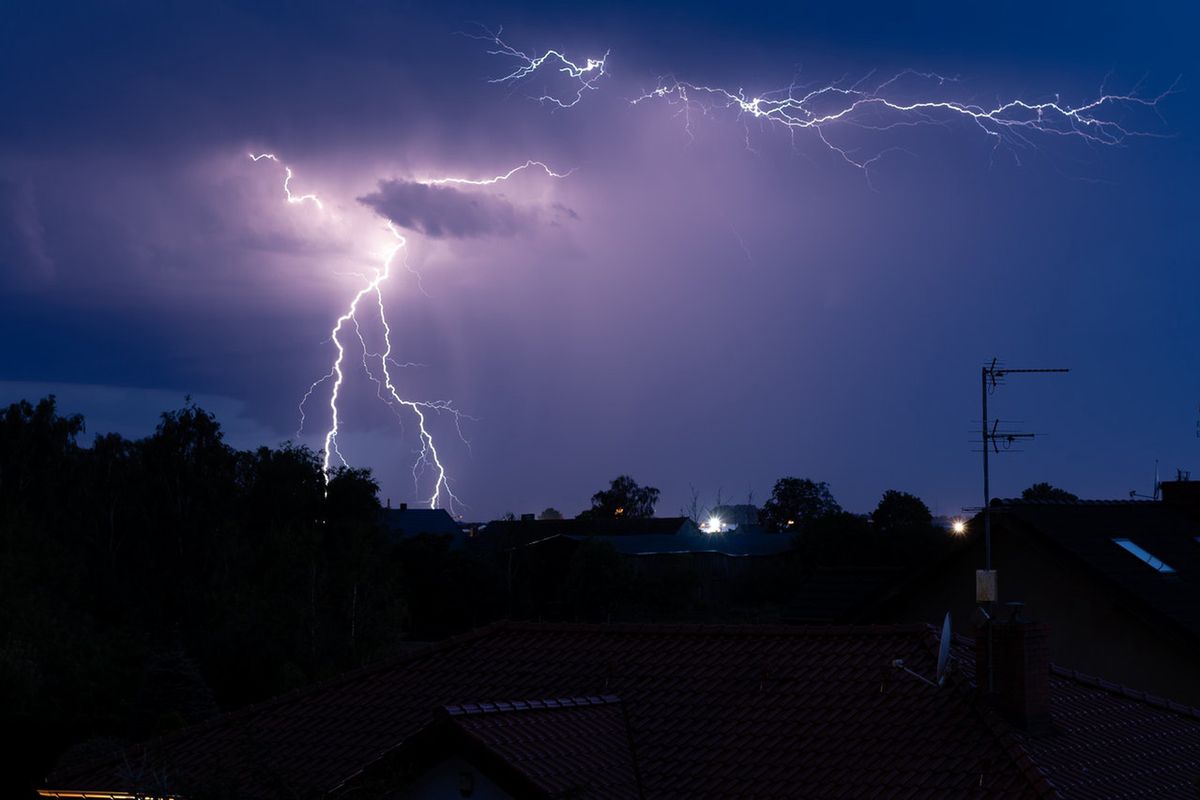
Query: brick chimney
<point x="1020" y="669"/>
<point x="1181" y="494"/>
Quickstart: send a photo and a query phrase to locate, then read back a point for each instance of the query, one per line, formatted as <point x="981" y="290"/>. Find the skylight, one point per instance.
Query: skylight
<point x="1144" y="555"/>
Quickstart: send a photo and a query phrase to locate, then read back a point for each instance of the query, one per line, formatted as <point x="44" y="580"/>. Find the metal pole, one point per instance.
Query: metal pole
<point x="987" y="526"/>
<point x="987" y="500"/>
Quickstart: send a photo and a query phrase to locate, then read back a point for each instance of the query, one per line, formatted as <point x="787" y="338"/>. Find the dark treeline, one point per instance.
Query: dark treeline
<point x="150" y="584"/>
<point x="147" y="584"/>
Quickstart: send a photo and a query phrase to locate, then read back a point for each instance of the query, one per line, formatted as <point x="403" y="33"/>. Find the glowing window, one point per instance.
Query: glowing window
<point x="1144" y="555"/>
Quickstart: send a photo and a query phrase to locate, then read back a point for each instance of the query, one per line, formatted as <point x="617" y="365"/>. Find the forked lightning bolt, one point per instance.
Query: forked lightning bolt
<point x="378" y="364"/>
<point x="287" y="182"/>
<point x="583" y="76"/>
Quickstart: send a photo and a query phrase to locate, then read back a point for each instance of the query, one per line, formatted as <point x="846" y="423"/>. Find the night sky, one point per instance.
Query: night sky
<point x="708" y="301"/>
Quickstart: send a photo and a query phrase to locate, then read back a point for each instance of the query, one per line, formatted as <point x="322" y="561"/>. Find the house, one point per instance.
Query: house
<point x="667" y="549"/>
<point x="514" y="533"/>
<point x="652" y="711"/>
<point x="405" y="522"/>
<point x="1118" y="579"/>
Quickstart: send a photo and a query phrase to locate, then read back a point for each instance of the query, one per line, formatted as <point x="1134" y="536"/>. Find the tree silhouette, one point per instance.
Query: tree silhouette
<point x="1042" y="492"/>
<point x="900" y="512"/>
<point x="797" y="502"/>
<point x="623" y="498"/>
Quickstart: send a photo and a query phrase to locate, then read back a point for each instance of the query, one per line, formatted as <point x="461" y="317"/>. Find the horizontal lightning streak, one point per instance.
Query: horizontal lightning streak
<point x="1012" y="121"/>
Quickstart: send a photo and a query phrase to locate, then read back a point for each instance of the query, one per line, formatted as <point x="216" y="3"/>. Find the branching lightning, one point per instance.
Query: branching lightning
<point x="584" y="76"/>
<point x="496" y="178"/>
<point x="378" y="364"/>
<point x="1011" y="122"/>
<point x="287" y="182"/>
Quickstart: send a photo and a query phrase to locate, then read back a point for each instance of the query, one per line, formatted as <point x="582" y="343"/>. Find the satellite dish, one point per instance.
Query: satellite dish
<point x="944" y="651"/>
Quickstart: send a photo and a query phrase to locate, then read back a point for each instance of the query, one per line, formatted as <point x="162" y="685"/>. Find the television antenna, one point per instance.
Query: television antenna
<point x="991" y="377"/>
<point x="994" y="439"/>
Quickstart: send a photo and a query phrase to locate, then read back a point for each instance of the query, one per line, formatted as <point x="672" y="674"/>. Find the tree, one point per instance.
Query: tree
<point x="550" y="513"/>
<point x="624" y="498"/>
<point x="797" y="502"/>
<point x="900" y="512"/>
<point x="1042" y="492"/>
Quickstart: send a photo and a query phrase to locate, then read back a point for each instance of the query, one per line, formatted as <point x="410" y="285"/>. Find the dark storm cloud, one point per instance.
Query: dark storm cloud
<point x="444" y="212"/>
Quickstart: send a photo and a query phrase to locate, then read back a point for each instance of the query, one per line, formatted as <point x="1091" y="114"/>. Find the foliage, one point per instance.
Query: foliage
<point x="796" y="503"/>
<point x="550" y="513"/>
<point x="899" y="512"/>
<point x="1042" y="492"/>
<point x="623" y="498"/>
<point x="148" y="583"/>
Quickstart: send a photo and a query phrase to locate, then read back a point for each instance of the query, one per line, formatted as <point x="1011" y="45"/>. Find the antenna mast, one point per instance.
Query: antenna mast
<point x="991" y="376"/>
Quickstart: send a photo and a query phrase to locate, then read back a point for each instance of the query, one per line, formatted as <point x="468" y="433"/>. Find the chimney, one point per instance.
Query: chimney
<point x="1019" y="667"/>
<point x="1182" y="494"/>
<point x="404" y="506"/>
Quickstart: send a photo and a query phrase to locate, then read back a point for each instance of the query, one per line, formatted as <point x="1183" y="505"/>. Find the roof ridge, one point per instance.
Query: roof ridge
<point x="717" y="629"/>
<point x="1127" y="692"/>
<point x="1115" y="501"/>
<point x="227" y="717"/>
<point x="508" y="706"/>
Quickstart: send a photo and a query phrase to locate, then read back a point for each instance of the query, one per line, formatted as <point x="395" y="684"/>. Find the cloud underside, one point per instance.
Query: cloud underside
<point x="445" y="212"/>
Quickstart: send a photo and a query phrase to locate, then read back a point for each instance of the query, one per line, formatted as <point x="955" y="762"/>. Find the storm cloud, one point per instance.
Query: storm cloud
<point x="443" y="212"/>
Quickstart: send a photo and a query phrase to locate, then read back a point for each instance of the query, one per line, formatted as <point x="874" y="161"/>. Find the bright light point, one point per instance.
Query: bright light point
<point x="712" y="525"/>
<point x="958" y="527"/>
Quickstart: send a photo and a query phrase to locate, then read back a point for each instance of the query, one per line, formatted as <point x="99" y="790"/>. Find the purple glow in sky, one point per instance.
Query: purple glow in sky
<point x="729" y="284"/>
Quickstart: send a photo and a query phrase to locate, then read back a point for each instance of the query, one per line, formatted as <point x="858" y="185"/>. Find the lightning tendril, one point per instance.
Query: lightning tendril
<point x="378" y="364"/>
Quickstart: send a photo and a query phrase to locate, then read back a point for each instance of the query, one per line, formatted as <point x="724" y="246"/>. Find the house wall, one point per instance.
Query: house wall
<point x="444" y="780"/>
<point x="1091" y="630"/>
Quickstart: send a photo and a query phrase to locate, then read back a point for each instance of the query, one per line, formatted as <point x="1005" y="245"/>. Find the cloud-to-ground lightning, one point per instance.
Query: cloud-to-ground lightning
<point x="1014" y="122"/>
<point x="583" y="76"/>
<point x="377" y="364"/>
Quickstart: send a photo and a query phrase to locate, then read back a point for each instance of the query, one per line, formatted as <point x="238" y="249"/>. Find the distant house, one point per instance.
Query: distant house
<point x="527" y="529"/>
<point x="655" y="548"/>
<point x="1118" y="580"/>
<point x="405" y="522"/>
<point x="557" y="711"/>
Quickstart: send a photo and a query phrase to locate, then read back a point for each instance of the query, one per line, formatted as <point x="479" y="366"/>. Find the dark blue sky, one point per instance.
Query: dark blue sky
<point x="711" y="311"/>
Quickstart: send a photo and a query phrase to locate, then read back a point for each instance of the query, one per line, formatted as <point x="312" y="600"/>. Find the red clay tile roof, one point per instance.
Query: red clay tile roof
<point x="1114" y="742"/>
<point x="713" y="711"/>
<point x="577" y="747"/>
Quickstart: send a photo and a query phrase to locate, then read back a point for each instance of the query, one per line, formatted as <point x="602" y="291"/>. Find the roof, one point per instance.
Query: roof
<point x="712" y="711"/>
<point x="578" y="746"/>
<point x="1085" y="530"/>
<point x="730" y="544"/>
<point x="413" y="521"/>
<point x="513" y="533"/>
<point x="1109" y="741"/>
